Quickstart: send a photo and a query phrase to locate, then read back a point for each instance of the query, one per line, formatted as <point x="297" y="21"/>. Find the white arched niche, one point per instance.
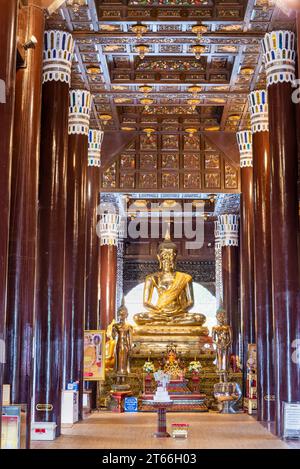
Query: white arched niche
<point x="204" y="302"/>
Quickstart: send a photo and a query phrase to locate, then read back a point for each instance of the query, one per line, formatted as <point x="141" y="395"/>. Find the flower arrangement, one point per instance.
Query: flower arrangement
<point x="195" y="367"/>
<point x="149" y="367"/>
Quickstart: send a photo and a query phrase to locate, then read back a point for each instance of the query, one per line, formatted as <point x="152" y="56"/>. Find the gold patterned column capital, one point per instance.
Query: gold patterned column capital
<point x="258" y="107"/>
<point x="79" y="112"/>
<point x="57" y="56"/>
<point x="244" y="139"/>
<point x="280" y="57"/>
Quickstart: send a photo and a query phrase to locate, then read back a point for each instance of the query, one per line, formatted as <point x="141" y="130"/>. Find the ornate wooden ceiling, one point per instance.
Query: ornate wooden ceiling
<point x="108" y="64"/>
<point x="105" y="41"/>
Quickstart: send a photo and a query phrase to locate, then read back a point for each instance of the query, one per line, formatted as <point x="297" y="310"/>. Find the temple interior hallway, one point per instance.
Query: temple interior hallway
<point x="207" y="431"/>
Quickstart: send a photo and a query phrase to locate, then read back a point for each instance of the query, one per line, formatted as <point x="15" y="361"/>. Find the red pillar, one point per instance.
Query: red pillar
<point x="263" y="261"/>
<point x="51" y="227"/>
<point x="92" y="297"/>
<point x="284" y="216"/>
<point x="75" y="272"/>
<point x="23" y="215"/>
<point x="109" y="226"/>
<point x="8" y="24"/>
<point x="246" y="244"/>
<point x="229" y="230"/>
<point x="93" y="242"/>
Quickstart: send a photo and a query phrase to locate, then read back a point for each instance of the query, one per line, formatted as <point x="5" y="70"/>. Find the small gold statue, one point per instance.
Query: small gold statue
<point x="123" y="332"/>
<point x="222" y="337"/>
<point x="175" y="293"/>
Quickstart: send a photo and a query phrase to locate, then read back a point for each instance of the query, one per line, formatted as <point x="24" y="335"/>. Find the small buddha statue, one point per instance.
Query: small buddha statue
<point x="222" y="337"/>
<point x="175" y="293"/>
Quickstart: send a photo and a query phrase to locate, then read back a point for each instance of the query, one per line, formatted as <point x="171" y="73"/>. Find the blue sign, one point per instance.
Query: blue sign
<point x="130" y="404"/>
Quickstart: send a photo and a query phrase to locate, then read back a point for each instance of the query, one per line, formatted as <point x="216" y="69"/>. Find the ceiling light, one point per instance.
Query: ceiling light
<point x="247" y="71"/>
<point x="146" y="102"/>
<point x="105" y="118"/>
<point x="198" y="50"/>
<point x="193" y="103"/>
<point x="191" y="131"/>
<point x="93" y="70"/>
<point x="149" y="131"/>
<point x="145" y="89"/>
<point x="139" y="29"/>
<point x="194" y="89"/>
<point x="76" y="4"/>
<point x="142" y="50"/>
<point x="199" y="29"/>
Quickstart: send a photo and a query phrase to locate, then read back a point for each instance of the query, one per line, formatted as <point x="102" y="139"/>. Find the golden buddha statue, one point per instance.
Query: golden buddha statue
<point x="175" y="293"/>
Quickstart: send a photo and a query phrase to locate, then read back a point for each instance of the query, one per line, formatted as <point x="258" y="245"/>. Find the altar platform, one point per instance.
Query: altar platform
<point x="184" y="399"/>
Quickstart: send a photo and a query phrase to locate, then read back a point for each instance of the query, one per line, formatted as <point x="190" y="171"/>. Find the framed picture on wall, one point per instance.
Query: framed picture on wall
<point x="94" y="355"/>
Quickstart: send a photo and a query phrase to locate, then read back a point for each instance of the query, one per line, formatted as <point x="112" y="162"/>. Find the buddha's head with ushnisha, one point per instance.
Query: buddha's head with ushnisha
<point x="167" y="254"/>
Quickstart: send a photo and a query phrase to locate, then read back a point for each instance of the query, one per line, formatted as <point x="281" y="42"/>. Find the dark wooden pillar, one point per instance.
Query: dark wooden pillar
<point x="23" y="214"/>
<point x="93" y="242"/>
<point x="8" y="24"/>
<point x="262" y="265"/>
<point x="52" y="223"/>
<point x="246" y="244"/>
<point x="92" y="297"/>
<point x="75" y="272"/>
<point x="229" y="230"/>
<point x="109" y="226"/>
<point x="284" y="216"/>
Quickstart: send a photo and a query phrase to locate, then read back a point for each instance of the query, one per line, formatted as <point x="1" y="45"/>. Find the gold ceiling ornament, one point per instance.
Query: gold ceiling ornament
<point x="139" y="30"/>
<point x="127" y="129"/>
<point x="234" y="117"/>
<point x="199" y="29"/>
<point x="193" y="103"/>
<point x="76" y="4"/>
<point x="191" y="131"/>
<point x="247" y="71"/>
<point x="168" y="203"/>
<point x="105" y="118"/>
<point x="149" y="131"/>
<point x="212" y="128"/>
<point x="142" y="50"/>
<point x="146" y="89"/>
<point x="198" y="50"/>
<point x="194" y="89"/>
<point x="93" y="70"/>
<point x="146" y="102"/>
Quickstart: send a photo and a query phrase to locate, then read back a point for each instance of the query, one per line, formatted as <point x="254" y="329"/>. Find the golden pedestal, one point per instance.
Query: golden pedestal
<point x="152" y="341"/>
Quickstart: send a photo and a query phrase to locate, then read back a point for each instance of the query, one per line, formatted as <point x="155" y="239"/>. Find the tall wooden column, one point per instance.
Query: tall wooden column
<point x="23" y="215"/>
<point x="92" y="297"/>
<point x="279" y="48"/>
<point x="109" y="228"/>
<point x="8" y="24"/>
<point x="79" y="120"/>
<point x="229" y="229"/>
<point x="246" y="244"/>
<point x="58" y="51"/>
<point x="262" y="265"/>
<point x="92" y="245"/>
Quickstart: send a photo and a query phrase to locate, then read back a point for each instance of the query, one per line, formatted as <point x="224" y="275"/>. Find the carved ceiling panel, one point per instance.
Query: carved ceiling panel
<point x="168" y="162"/>
<point x="230" y="65"/>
